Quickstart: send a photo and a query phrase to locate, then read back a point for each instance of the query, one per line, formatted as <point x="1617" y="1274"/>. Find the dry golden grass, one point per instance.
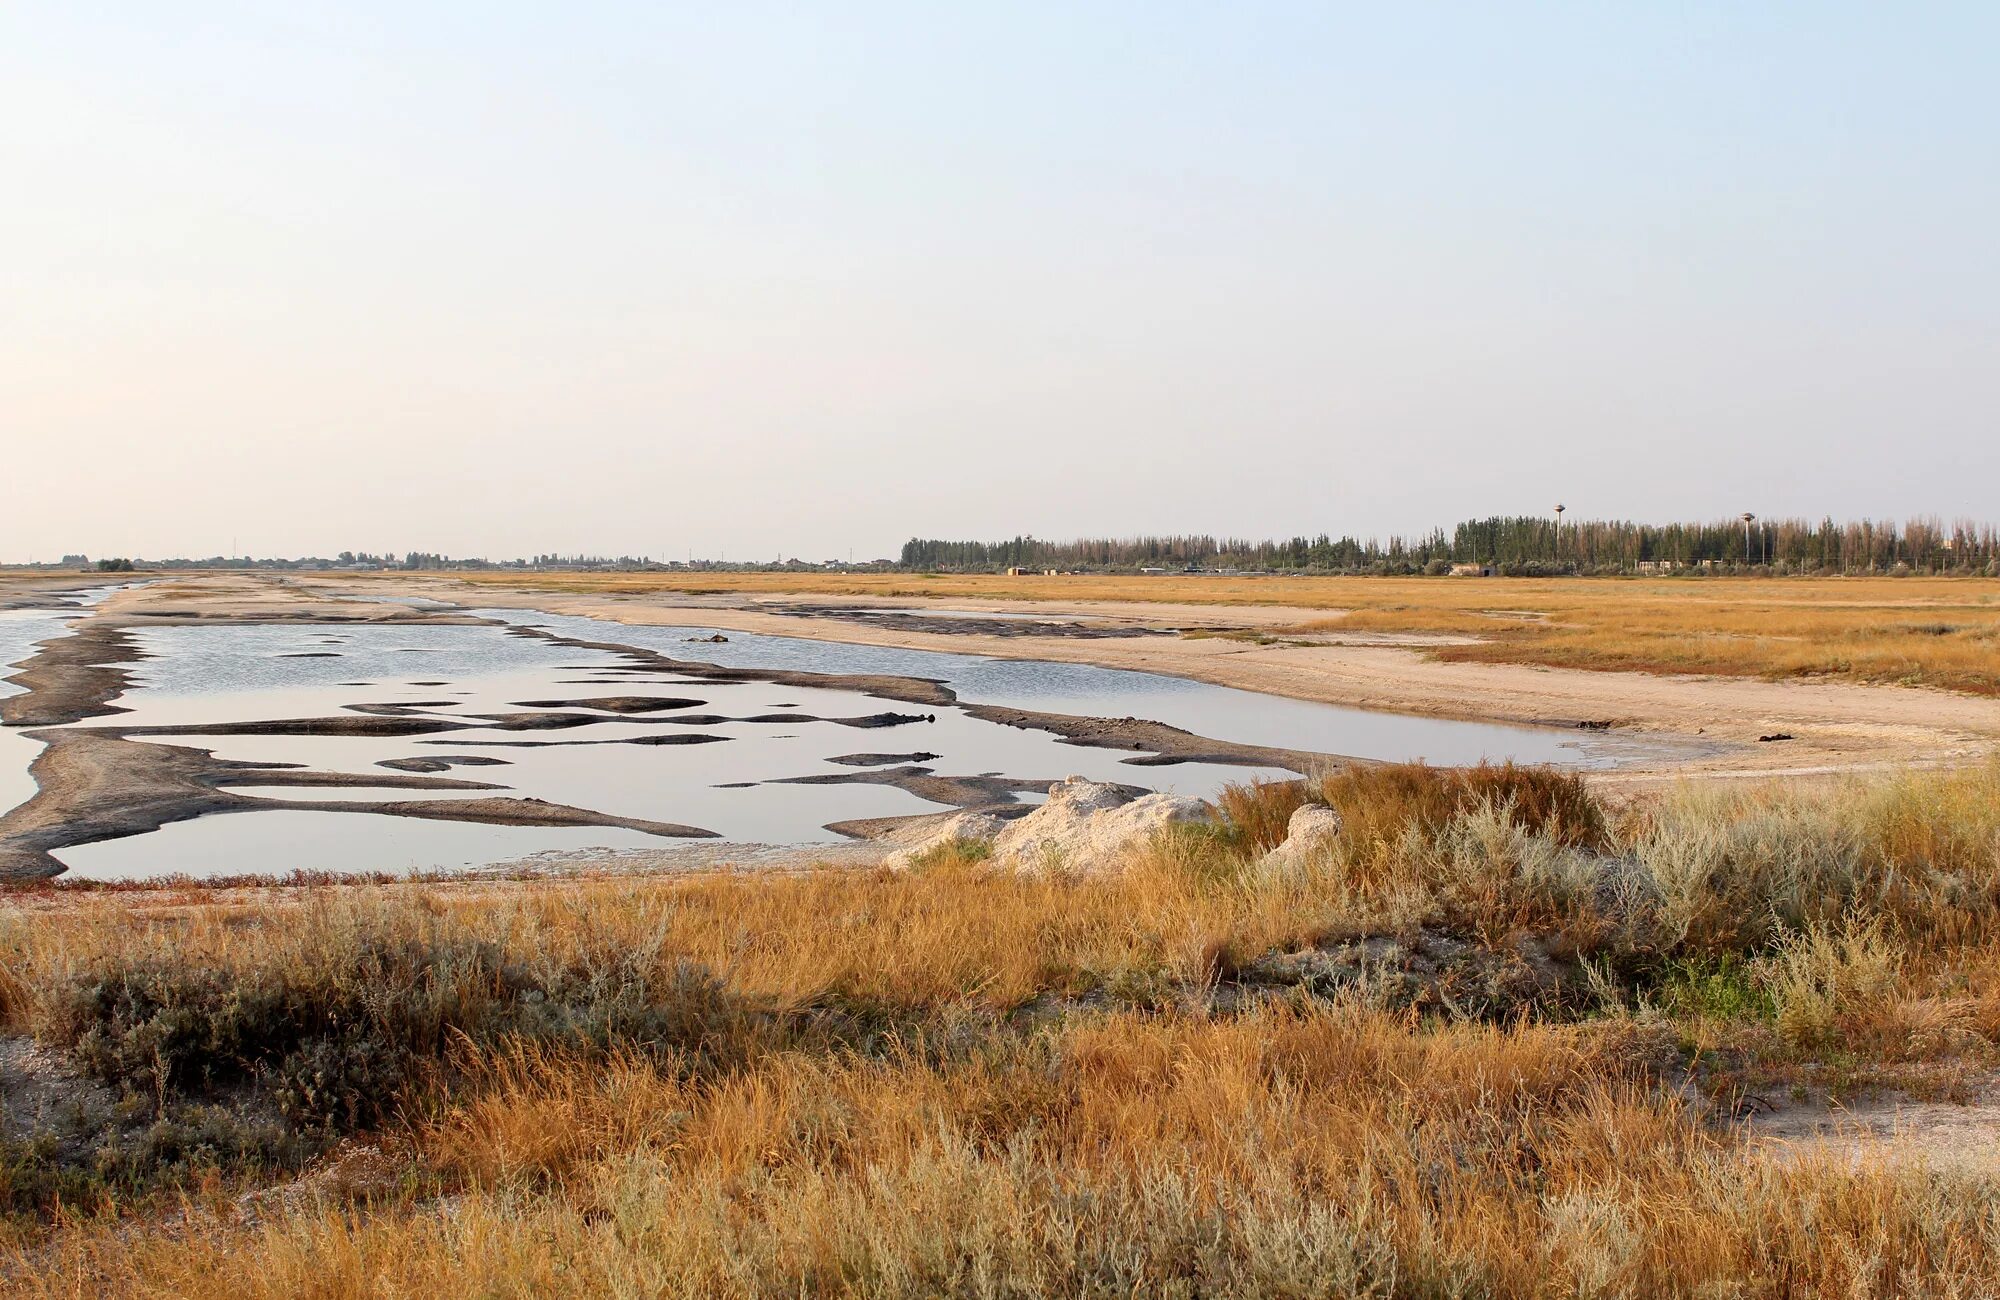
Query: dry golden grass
<point x="1942" y="632"/>
<point x="958" y="1081"/>
<point x="1334" y="1153"/>
<point x="954" y="933"/>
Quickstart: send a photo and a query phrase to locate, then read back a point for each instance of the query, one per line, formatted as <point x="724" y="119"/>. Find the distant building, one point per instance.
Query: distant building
<point x="1471" y="570"/>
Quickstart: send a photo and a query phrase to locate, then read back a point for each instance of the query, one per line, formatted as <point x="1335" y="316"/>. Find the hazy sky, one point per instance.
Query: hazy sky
<point x="749" y="279"/>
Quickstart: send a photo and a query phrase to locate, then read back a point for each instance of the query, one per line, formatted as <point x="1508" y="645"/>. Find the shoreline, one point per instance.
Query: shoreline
<point x="113" y="781"/>
<point x="1830" y="727"/>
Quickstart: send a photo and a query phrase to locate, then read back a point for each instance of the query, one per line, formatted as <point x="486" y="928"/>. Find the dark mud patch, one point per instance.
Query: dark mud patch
<point x="617" y="703"/>
<point x="59" y="594"/>
<point x="1163" y="745"/>
<point x="387" y="722"/>
<point x="881" y="760"/>
<point x="442" y="763"/>
<point x="367" y="725"/>
<point x="962" y="791"/>
<point x="539" y="721"/>
<point x="73" y="677"/>
<point x="94" y="784"/>
<point x="882" y="828"/>
<point x="311" y="654"/>
<point x="1160" y="743"/>
<point x="906" y="690"/>
<point x="672" y="738"/>
<point x="865" y="721"/>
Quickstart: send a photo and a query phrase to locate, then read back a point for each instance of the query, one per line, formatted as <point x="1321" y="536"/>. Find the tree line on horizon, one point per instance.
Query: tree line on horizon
<point x="1524" y="545"/>
<point x="1517" y="544"/>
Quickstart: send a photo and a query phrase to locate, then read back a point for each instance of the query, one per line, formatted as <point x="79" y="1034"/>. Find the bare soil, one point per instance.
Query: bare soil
<point x="1886" y="1125"/>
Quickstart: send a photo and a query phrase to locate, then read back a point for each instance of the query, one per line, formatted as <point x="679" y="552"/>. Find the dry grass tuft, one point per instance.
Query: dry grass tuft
<point x="1378" y="804"/>
<point x="1259" y="812"/>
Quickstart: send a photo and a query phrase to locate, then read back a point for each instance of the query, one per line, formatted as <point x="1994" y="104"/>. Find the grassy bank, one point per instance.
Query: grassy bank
<point x="1495" y="1040"/>
<point x="1940" y="632"/>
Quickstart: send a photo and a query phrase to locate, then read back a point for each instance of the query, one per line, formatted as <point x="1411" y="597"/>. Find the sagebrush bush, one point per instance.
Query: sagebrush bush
<point x="1823" y="976"/>
<point x="1738" y="866"/>
<point x="1935" y="839"/>
<point x="1495" y="876"/>
<point x="1733" y="867"/>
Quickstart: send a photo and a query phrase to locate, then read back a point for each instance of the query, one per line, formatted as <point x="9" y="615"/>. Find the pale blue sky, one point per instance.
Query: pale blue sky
<point x="755" y="278"/>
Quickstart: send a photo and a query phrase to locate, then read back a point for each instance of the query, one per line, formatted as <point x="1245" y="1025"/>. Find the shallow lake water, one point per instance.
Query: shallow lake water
<point x="1219" y="712"/>
<point x="283" y="841"/>
<point x="736" y="751"/>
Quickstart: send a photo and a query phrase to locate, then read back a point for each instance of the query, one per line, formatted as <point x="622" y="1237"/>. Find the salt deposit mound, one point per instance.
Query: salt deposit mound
<point x="1310" y="834"/>
<point x="1090" y="828"/>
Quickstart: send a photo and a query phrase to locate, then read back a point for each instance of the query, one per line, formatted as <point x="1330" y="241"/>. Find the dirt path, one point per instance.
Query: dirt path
<point x="1885" y="1127"/>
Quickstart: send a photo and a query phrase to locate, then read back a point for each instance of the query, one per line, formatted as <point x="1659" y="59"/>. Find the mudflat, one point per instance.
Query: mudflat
<point x="1826" y="725"/>
<point x="113" y="779"/>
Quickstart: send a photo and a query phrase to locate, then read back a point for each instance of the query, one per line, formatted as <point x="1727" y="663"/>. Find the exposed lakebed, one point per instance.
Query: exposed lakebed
<point x="21" y="631"/>
<point x="395" y="745"/>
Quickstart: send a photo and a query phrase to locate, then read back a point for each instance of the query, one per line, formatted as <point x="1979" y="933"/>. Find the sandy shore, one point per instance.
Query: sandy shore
<point x="1832" y="726"/>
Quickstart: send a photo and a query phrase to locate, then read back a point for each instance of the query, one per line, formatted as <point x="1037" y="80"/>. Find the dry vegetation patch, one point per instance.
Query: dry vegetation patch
<point x="1493" y="1040"/>
<point x="1913" y="632"/>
